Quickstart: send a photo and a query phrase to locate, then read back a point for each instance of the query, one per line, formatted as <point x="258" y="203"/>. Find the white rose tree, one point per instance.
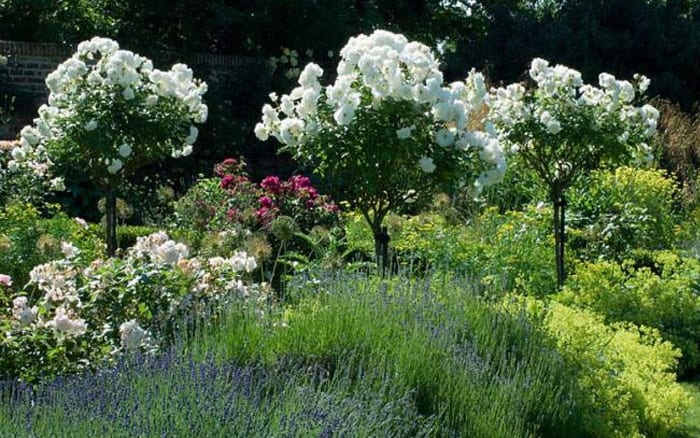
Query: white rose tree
<point x="388" y="130"/>
<point x="562" y="129"/>
<point x="109" y="113"/>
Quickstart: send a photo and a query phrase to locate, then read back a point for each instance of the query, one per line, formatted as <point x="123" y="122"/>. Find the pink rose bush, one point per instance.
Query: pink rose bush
<point x="233" y="202"/>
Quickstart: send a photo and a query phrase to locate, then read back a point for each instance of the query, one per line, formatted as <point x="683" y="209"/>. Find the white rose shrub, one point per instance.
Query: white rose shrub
<point x="76" y="313"/>
<point x="389" y="129"/>
<point x="109" y="113"/>
<point x="563" y="128"/>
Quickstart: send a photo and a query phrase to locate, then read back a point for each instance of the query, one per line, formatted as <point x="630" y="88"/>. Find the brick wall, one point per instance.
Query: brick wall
<point x="29" y="63"/>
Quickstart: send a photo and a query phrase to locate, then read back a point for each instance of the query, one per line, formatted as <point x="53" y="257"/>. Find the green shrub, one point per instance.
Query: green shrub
<point x="499" y="252"/>
<point x="687" y="236"/>
<point x="27" y="239"/>
<point x="625" y="381"/>
<point x="198" y="208"/>
<point x="656" y="289"/>
<point x="614" y="212"/>
<point x="512" y="251"/>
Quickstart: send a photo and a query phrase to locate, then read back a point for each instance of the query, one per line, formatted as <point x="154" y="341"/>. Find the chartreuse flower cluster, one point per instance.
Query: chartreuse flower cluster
<point x="111" y="111"/>
<point x="73" y="313"/>
<point x="389" y="96"/>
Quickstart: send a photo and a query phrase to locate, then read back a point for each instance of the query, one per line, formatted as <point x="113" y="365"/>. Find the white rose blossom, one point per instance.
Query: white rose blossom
<point x="98" y="77"/>
<point x="385" y="67"/>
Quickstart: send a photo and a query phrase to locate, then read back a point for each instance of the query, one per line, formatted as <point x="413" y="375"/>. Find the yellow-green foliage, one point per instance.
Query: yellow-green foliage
<point x="27" y="239"/>
<point x="687" y="233"/>
<point x="626" y="386"/>
<point x="499" y="252"/>
<point x="616" y="211"/>
<point x="657" y="289"/>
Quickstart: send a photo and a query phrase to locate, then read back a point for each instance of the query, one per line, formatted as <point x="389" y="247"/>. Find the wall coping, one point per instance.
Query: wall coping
<point x="53" y="50"/>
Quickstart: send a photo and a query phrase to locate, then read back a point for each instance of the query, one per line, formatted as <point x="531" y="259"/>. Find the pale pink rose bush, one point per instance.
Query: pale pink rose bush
<point x="75" y="313"/>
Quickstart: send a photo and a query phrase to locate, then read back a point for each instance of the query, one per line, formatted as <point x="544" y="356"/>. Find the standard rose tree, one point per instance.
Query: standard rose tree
<point x="563" y="128"/>
<point x="388" y="130"/>
<point x="109" y="113"/>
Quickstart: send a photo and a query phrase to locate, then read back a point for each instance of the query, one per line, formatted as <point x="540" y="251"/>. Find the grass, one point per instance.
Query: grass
<point x="691" y="424"/>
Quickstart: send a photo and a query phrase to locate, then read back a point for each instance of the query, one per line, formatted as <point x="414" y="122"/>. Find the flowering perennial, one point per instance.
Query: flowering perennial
<point x="107" y="306"/>
<point x="295" y="197"/>
<point x="573" y="118"/>
<point x="385" y="73"/>
<point x="112" y="109"/>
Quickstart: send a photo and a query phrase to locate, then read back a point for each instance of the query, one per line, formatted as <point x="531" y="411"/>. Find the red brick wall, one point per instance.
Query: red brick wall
<point x="29" y="64"/>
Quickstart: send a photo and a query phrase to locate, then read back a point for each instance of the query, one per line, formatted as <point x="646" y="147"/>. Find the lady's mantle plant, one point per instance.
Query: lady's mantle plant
<point x="388" y="130"/>
<point x="109" y="113"/>
<point x="563" y="128"/>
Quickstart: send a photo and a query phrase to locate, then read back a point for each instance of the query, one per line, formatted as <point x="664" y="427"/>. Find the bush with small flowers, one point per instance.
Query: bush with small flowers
<point x="563" y="128"/>
<point x="75" y="314"/>
<point x="251" y="211"/>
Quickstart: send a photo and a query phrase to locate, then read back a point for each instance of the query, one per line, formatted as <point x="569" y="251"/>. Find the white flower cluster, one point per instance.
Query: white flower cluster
<point x="374" y="69"/>
<point x="561" y="90"/>
<point x="100" y="68"/>
<point x="69" y="294"/>
<point x="159" y="248"/>
<point x="238" y="262"/>
<point x="60" y="299"/>
<point x="24" y="314"/>
<point x="131" y="334"/>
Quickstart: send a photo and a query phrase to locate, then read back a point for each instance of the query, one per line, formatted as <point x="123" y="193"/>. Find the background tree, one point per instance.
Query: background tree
<point x="562" y="129"/>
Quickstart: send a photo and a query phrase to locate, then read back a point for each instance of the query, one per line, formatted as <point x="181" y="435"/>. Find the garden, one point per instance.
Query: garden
<point x="436" y="255"/>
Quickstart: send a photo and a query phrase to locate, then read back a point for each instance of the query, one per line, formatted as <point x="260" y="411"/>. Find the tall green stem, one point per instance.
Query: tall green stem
<point x="559" y="235"/>
<point x="111" y="222"/>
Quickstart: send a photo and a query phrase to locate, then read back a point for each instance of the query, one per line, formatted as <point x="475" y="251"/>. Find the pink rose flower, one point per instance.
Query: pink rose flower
<point x="226" y="181"/>
<point x="5" y="280"/>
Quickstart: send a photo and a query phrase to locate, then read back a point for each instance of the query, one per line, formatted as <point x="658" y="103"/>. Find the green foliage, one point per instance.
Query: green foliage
<point x="199" y="208"/>
<point x="499" y="252"/>
<point x="655" y="289"/>
<point x="63" y="21"/>
<point x="687" y="236"/>
<point x="625" y="381"/>
<point x="615" y="212"/>
<point x="520" y="187"/>
<point x="27" y="239"/>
